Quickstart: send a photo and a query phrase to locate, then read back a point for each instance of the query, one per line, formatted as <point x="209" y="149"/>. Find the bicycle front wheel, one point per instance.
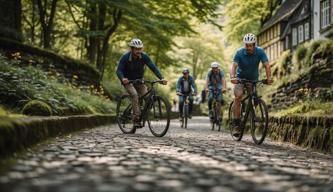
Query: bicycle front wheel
<point x="124" y="115"/>
<point x="259" y="122"/>
<point x="159" y="116"/>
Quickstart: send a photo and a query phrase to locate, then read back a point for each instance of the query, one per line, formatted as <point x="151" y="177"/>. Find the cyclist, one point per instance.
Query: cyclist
<point x="185" y="88"/>
<point x="131" y="67"/>
<point x="215" y="81"/>
<point x="246" y="61"/>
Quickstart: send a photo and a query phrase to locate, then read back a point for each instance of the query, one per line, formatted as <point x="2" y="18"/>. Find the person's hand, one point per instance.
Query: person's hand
<point x="206" y="90"/>
<point x="164" y="82"/>
<point x="125" y="81"/>
<point x="179" y="93"/>
<point x="269" y="81"/>
<point x="234" y="80"/>
<point x="195" y="93"/>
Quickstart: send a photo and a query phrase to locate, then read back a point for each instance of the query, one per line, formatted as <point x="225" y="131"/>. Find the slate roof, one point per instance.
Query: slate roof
<point x="285" y="10"/>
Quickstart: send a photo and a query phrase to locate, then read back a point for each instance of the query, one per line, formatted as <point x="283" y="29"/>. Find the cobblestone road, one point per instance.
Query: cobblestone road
<point x="192" y="160"/>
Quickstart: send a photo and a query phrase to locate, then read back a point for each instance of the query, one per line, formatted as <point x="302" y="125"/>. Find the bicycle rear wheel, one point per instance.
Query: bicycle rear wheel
<point x="124" y="115"/>
<point x="159" y="116"/>
<point x="230" y="122"/>
<point x="259" y="122"/>
<point x="185" y="115"/>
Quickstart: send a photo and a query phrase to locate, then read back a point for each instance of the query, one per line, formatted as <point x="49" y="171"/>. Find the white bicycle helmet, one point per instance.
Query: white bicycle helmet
<point x="249" y="38"/>
<point x="186" y="70"/>
<point x="137" y="43"/>
<point x="214" y="64"/>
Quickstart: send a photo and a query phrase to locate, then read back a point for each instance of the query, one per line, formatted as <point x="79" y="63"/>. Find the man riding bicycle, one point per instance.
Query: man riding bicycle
<point x="215" y="82"/>
<point x="131" y="67"/>
<point x="185" y="88"/>
<point x="246" y="61"/>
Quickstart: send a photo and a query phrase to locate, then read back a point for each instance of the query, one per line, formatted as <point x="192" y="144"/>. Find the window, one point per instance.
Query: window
<point x="294" y="36"/>
<point x="300" y="34"/>
<point x="324" y="14"/>
<point x="306" y="31"/>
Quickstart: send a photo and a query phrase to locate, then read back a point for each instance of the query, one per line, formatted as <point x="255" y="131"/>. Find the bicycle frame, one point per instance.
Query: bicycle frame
<point x="149" y="98"/>
<point x="250" y="97"/>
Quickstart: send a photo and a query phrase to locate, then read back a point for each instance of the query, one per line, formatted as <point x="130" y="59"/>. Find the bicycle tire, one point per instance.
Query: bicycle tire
<point x="153" y="114"/>
<point x="124" y="120"/>
<point x="262" y="128"/>
<point x="185" y="115"/>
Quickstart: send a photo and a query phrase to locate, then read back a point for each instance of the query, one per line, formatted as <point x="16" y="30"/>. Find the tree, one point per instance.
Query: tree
<point x="200" y="50"/>
<point x="46" y="19"/>
<point x="10" y="19"/>
<point x="243" y="17"/>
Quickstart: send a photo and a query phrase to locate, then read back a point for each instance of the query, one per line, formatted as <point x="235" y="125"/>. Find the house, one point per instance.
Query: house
<point x="287" y="28"/>
<point x="322" y="18"/>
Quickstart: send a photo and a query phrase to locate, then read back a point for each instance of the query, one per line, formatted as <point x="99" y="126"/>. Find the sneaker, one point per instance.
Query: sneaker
<point x="237" y="128"/>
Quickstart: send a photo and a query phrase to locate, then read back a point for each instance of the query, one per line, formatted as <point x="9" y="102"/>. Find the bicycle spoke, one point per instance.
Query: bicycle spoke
<point x="259" y="124"/>
<point x="159" y="117"/>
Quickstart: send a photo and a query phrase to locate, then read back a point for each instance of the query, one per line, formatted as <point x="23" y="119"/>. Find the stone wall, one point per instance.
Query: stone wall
<point x="73" y="70"/>
<point x="311" y="132"/>
<point x="316" y="84"/>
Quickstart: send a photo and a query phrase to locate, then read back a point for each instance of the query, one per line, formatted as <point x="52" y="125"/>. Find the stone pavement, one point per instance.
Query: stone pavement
<point x="186" y="160"/>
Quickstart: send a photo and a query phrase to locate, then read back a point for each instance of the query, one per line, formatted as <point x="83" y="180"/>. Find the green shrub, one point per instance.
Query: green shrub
<point x="22" y="83"/>
<point x="37" y="108"/>
<point x="299" y="55"/>
<point x="326" y="47"/>
<point x="282" y="64"/>
<point x="3" y="112"/>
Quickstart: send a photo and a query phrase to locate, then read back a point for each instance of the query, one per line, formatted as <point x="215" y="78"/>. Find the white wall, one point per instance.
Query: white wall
<point x="316" y="18"/>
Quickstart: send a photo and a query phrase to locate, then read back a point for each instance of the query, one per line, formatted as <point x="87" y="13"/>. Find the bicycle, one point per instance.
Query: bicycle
<point x="256" y="108"/>
<point x="155" y="111"/>
<point x="217" y="115"/>
<point x="185" y="115"/>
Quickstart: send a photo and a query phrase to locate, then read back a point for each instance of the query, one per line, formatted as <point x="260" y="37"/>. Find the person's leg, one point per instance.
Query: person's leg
<point x="210" y="103"/>
<point x="238" y="91"/>
<point x="135" y="101"/>
<point x="190" y="105"/>
<point x="141" y="89"/>
<point x="181" y="105"/>
<point x="220" y="102"/>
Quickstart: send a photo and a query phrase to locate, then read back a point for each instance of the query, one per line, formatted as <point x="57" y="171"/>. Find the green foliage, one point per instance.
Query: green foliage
<point x="303" y="56"/>
<point x="281" y="66"/>
<point x="3" y="112"/>
<point x="326" y="47"/>
<point x="308" y="108"/>
<point x="37" y="108"/>
<point x="299" y="55"/>
<point x="21" y="84"/>
<point x="243" y="17"/>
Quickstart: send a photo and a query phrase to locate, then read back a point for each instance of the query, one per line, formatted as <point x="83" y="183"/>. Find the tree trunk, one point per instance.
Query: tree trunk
<point x="10" y="19"/>
<point x="46" y="22"/>
<point x="116" y="19"/>
<point x="33" y="21"/>
<point x="92" y="40"/>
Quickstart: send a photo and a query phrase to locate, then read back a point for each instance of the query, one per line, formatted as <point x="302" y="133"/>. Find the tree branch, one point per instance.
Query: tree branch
<point x="71" y="13"/>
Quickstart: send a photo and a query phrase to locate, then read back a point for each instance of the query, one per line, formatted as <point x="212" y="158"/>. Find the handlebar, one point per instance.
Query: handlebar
<point x="262" y="81"/>
<point x="144" y="81"/>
